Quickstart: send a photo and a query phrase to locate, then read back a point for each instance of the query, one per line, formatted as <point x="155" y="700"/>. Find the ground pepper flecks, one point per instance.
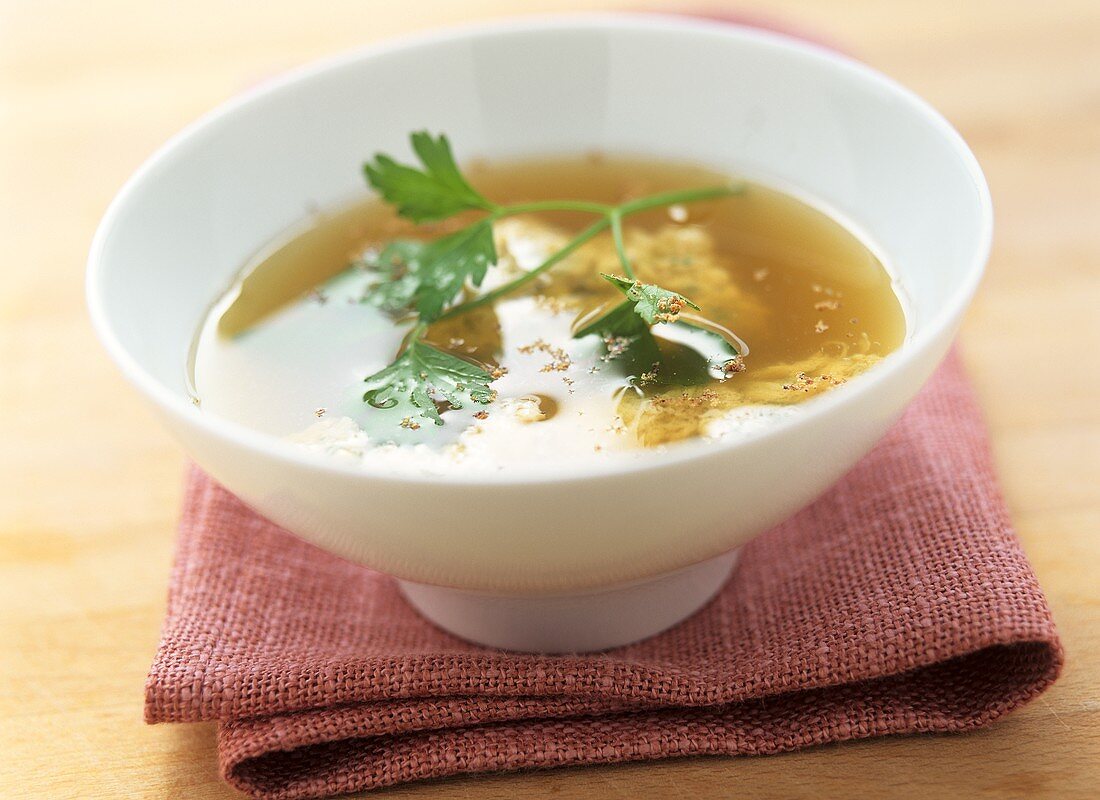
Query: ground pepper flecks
<point x="560" y="360"/>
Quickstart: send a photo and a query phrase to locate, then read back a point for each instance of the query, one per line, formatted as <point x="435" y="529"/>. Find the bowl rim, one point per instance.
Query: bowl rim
<point x="268" y="445"/>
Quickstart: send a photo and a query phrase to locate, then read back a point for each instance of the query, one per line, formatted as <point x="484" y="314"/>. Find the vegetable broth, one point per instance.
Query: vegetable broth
<point x="287" y="347"/>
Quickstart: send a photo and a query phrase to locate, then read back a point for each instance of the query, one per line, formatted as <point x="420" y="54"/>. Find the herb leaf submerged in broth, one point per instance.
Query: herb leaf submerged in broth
<point x="423" y="374"/>
<point x="626" y="326"/>
<point x="622" y="332"/>
<point x="395" y="269"/>
<point x="426" y="276"/>
<point x="620" y="320"/>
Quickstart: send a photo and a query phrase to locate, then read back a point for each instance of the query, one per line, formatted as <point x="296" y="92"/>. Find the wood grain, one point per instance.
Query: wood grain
<point x="89" y="483"/>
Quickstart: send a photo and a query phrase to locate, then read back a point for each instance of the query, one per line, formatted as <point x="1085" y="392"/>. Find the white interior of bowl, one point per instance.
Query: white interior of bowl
<point x="735" y="99"/>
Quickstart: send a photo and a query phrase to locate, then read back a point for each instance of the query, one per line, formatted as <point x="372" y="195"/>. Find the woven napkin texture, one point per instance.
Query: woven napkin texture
<point x="899" y="602"/>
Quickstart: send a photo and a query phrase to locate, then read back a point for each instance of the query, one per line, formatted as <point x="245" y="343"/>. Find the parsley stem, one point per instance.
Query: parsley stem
<point x="631" y="207"/>
<point x="551" y="205"/>
<point x="590" y="232"/>
<point x="616" y="219"/>
<point x="611" y="217"/>
<point x="679" y="196"/>
<point x="415" y="334"/>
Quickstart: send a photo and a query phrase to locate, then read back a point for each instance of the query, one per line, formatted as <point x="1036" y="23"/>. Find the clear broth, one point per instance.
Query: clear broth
<point x="812" y="301"/>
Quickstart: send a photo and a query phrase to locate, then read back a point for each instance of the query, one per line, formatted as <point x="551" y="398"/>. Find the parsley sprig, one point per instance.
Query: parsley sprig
<point x="425" y="279"/>
<point x="421" y="375"/>
<point x="429" y="193"/>
<point x="652" y="303"/>
<point x="425" y="276"/>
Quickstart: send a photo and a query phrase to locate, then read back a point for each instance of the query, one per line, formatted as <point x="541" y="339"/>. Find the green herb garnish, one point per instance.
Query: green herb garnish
<point x="434" y="192"/>
<point x="652" y="303"/>
<point x="627" y="326"/>
<point x="422" y="374"/>
<point x="426" y="278"/>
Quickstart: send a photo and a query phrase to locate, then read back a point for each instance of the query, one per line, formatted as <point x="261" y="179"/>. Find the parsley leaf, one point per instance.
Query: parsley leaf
<point x="627" y="335"/>
<point x="652" y="303"/>
<point x="428" y="275"/>
<point x="397" y="283"/>
<point x="433" y="191"/>
<point x="687" y="352"/>
<point x="423" y="374"/>
<point x="623" y="332"/>
<point x="619" y="321"/>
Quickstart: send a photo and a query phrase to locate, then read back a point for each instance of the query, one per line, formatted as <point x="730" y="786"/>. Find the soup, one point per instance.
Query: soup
<point x="756" y="302"/>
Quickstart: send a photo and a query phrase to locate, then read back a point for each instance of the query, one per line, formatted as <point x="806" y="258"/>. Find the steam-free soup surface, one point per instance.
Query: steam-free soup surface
<point x="286" y="349"/>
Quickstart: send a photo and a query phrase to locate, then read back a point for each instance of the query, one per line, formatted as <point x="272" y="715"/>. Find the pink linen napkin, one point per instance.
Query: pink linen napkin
<point x="899" y="602"/>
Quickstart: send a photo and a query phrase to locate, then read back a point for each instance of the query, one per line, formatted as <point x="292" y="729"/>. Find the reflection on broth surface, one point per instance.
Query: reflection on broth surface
<point x="790" y="304"/>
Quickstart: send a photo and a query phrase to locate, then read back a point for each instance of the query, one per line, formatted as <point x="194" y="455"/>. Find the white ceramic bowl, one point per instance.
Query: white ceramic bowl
<point x="596" y="556"/>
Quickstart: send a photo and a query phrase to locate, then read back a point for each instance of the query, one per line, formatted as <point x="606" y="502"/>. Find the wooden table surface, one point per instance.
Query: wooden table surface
<point x="90" y="484"/>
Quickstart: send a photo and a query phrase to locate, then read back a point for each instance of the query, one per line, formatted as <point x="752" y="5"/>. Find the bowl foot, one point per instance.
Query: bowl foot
<point x="571" y="623"/>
